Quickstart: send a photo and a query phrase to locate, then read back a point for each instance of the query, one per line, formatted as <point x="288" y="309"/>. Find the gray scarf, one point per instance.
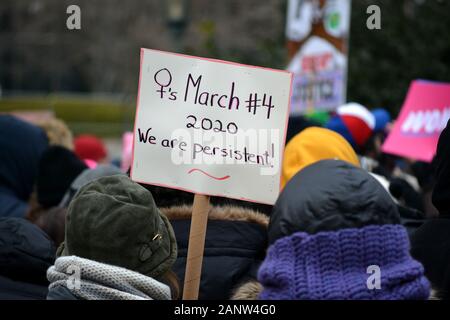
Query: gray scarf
<point x="91" y="280"/>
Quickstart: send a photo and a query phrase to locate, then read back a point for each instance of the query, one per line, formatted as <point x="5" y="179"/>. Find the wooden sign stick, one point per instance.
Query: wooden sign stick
<point x="196" y="247"/>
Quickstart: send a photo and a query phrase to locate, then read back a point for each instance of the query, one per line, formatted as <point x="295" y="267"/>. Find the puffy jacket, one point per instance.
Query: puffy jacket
<point x="328" y="196"/>
<point x="26" y="253"/>
<point x="236" y="241"/>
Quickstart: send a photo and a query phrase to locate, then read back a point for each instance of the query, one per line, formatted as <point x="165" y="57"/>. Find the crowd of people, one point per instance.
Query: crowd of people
<point x="351" y="222"/>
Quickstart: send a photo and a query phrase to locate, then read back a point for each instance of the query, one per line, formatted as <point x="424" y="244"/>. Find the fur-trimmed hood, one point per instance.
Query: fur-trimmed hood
<point x="225" y="213"/>
<point x="248" y="291"/>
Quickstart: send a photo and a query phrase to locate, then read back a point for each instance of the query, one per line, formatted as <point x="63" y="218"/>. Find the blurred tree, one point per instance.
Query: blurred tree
<point x="413" y="43"/>
<point x="38" y="53"/>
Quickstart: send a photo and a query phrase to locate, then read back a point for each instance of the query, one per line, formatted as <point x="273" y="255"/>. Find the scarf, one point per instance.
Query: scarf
<point x="99" y="281"/>
<point x="369" y="263"/>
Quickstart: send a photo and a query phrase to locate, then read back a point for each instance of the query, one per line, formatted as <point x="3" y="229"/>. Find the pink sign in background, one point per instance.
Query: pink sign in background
<point x="127" y="150"/>
<point x="424" y="115"/>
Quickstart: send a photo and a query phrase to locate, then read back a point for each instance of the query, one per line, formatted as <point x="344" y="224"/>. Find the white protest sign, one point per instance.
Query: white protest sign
<point x="210" y="127"/>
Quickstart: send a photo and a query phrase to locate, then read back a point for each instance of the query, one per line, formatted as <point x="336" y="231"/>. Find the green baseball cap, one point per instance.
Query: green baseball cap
<point x="114" y="220"/>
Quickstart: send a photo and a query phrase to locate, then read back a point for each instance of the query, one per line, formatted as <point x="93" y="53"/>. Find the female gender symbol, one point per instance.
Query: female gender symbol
<point x="163" y="79"/>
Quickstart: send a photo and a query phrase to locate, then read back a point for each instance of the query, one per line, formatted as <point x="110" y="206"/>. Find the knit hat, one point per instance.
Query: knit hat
<point x="341" y="265"/>
<point x="85" y="177"/>
<point x="382" y="118"/>
<point x="90" y="147"/>
<point x="114" y="220"/>
<point x="58" y="168"/>
<point x="441" y="191"/>
<point x="354" y="122"/>
<point x="311" y="145"/>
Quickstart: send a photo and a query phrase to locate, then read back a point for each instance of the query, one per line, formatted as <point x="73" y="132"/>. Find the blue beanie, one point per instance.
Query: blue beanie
<point x="382" y="118"/>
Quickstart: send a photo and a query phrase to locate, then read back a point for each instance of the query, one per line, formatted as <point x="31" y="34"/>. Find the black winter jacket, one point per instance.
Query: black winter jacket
<point x="26" y="253"/>
<point x="235" y="245"/>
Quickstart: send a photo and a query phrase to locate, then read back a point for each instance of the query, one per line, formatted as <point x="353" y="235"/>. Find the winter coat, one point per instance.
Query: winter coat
<point x="236" y="241"/>
<point x="21" y="145"/>
<point x="26" y="253"/>
<point x="331" y="222"/>
<point x="430" y="244"/>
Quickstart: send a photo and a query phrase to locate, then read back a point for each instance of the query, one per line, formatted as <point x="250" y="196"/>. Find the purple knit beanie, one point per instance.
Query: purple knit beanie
<point x="335" y="265"/>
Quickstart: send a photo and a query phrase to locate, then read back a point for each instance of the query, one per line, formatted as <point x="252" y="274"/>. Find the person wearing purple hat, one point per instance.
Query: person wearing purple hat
<point x="335" y="234"/>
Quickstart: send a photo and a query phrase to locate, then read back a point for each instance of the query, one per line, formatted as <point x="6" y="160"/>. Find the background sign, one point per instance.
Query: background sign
<point x="317" y="32"/>
<point x="424" y="115"/>
<point x="210" y="127"/>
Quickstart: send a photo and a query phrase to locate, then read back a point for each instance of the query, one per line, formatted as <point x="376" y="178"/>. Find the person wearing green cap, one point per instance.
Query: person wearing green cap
<point x="117" y="246"/>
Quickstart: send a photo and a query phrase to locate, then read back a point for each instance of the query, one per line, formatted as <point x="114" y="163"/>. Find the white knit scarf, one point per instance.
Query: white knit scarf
<point x="99" y="281"/>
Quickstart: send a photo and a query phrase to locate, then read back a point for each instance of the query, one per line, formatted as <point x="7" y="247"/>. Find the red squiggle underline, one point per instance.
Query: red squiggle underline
<point x="205" y="173"/>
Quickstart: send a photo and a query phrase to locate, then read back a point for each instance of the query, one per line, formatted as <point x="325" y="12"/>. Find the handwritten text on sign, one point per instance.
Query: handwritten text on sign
<point x="209" y="126"/>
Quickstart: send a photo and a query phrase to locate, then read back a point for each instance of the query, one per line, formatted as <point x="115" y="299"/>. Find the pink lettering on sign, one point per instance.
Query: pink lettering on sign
<point x="424" y="115"/>
<point x="316" y="63"/>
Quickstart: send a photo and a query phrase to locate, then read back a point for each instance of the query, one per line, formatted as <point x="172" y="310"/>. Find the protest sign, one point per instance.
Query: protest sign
<point x="210" y="127"/>
<point x="317" y="33"/>
<point x="424" y="115"/>
<point x="127" y="149"/>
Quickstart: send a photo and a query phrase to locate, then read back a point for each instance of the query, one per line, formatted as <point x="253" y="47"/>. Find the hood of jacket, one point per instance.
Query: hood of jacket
<point x="26" y="252"/>
<point x="248" y="291"/>
<point x="22" y="145"/>
<point x="330" y="195"/>
<point x="235" y="245"/>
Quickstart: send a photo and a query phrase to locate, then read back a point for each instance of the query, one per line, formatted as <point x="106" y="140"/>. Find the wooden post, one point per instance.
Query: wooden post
<point x="196" y="247"/>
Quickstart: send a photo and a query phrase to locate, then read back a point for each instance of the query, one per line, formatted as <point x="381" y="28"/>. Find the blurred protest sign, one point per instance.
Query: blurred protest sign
<point x="424" y="115"/>
<point x="317" y="33"/>
<point x="210" y="127"/>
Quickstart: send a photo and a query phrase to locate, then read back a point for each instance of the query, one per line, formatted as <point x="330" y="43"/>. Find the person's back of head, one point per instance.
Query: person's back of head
<point x="58" y="133"/>
<point x="114" y="228"/>
<point x="430" y="244"/>
<point x="90" y="147"/>
<point x="58" y="168"/>
<point x="441" y="192"/>
<point x="86" y="176"/>
<point x="355" y="123"/>
<point x="311" y="145"/>
<point x="332" y="224"/>
<point x="21" y="145"/>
